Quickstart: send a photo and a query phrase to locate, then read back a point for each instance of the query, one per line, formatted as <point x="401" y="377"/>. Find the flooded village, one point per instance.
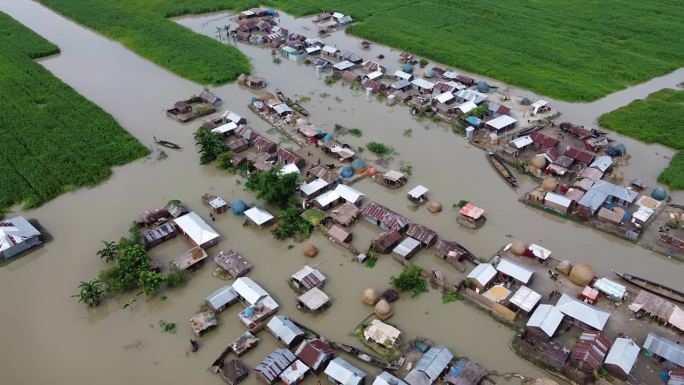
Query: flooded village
<point x="549" y="251"/>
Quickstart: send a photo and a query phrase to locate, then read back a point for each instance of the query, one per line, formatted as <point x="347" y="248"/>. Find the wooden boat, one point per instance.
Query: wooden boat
<point x="653" y="287"/>
<point x="365" y="357"/>
<point x="167" y="144"/>
<point x="298" y="107"/>
<point x="282" y="96"/>
<point x="671" y="241"/>
<point x="501" y="168"/>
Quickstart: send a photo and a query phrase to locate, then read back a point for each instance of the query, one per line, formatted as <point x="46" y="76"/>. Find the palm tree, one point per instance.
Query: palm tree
<point x="108" y="252"/>
<point x="90" y="293"/>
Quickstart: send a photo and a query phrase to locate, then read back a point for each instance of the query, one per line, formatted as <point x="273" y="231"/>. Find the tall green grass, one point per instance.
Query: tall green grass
<point x="573" y="50"/>
<point x="142" y="27"/>
<point x="657" y="119"/>
<point x="52" y="139"/>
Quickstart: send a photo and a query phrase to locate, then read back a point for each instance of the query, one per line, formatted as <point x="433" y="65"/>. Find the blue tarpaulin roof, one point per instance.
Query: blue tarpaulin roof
<point x="472" y="120"/>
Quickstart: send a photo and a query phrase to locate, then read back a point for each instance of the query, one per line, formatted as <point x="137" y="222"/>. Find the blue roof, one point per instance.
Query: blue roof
<point x="659" y="193"/>
<point x="239" y="207"/>
<point x="347" y="172"/>
<point x="472" y="120"/>
<point x="408" y="68"/>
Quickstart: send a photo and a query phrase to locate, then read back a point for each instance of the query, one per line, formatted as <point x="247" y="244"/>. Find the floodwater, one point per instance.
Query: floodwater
<point x="49" y="338"/>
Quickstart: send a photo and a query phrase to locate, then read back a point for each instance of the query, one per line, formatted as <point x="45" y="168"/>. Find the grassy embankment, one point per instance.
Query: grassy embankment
<point x="52" y="139"/>
<point x="142" y="26"/>
<point x="657" y="119"/>
<point x="577" y="51"/>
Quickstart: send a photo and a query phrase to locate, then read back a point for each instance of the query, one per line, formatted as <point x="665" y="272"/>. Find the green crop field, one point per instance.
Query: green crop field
<point x="143" y="28"/>
<point x="572" y="50"/>
<point x="657" y="119"/>
<point x="52" y="139"/>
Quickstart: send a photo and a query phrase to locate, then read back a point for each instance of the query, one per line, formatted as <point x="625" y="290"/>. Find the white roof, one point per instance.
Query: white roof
<point x="374" y="75"/>
<point x="623" y="354"/>
<point x="467" y="106"/>
<point x="293" y="373"/>
<point x="602" y="163"/>
<point x="348" y="193"/>
<point x="643" y="213"/>
<point x="313" y="186"/>
<point x="385" y="378"/>
<point x="418" y="191"/>
<point x="15" y="231"/>
<point x="305" y="271"/>
<point x="445" y="97"/>
<point x="403" y="75"/>
<point x="249" y="290"/>
<point x="281" y="108"/>
<point x="343" y="65"/>
<point x="217" y="203"/>
<point x="314" y="298"/>
<point x="281" y="327"/>
<point x="221" y="297"/>
<point x="611" y="288"/>
<point x="380" y="332"/>
<point x="450" y="75"/>
<point x="196" y="228"/>
<point x="482" y="273"/>
<point x="539" y="252"/>
<point x="225" y="128"/>
<point x="547" y="318"/>
<point x="558" y="199"/>
<point x="327" y="198"/>
<point x="501" y="122"/>
<point x="337" y="15"/>
<point x="521" y="142"/>
<point x="344" y="373"/>
<point x="329" y="49"/>
<point x="514" y="270"/>
<point x="312" y="41"/>
<point x="525" y="298"/>
<point x="393" y="175"/>
<point x="289" y="169"/>
<point x="582" y="312"/>
<point x="248" y="13"/>
<point x="313" y="49"/>
<point x="422" y="83"/>
<point x="232" y="116"/>
<point x="406" y="246"/>
<point x="540" y="103"/>
<point x="258" y="215"/>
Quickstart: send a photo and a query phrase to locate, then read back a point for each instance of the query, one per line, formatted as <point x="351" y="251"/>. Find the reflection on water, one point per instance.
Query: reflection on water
<point x="42" y="324"/>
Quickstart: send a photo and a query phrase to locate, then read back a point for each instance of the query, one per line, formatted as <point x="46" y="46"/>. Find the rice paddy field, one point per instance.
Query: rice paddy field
<point x="657" y="119"/>
<point x="576" y="51"/>
<point x="52" y="139"/>
<point x="143" y="27"/>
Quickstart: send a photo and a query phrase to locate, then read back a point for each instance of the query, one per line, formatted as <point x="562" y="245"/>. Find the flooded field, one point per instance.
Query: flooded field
<point x="49" y="338"/>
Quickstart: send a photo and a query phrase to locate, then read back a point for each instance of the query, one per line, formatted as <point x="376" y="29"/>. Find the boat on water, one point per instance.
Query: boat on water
<point x="167" y="144"/>
<point x="653" y="287"/>
<point x="501" y="168"/>
<point x="671" y="240"/>
<point x="281" y="96"/>
<point x="292" y="103"/>
<point x="365" y="357"/>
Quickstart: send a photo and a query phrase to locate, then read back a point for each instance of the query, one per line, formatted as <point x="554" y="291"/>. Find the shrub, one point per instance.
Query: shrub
<point x="379" y="148"/>
<point x="410" y="280"/>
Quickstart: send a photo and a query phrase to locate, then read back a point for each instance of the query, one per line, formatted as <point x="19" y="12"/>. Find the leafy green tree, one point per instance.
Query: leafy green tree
<point x="274" y="188"/>
<point x="125" y="272"/>
<point x="90" y="293"/>
<point x="150" y="281"/>
<point x="108" y="252"/>
<point x="379" y="148"/>
<point x="290" y="222"/>
<point x="224" y="162"/>
<point x="210" y="145"/>
<point x="176" y="277"/>
<point x="410" y="280"/>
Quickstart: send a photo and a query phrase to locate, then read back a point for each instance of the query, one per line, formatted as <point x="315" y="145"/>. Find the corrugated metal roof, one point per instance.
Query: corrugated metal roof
<point x="196" y="228"/>
<point x="274" y="364"/>
<point x="406" y="247"/>
<point x="547" y="318"/>
<point x="525" y="298"/>
<point x="482" y="273"/>
<point x="418" y="191"/>
<point x="665" y="348"/>
<point x="221" y="297"/>
<point x="623" y="354"/>
<point x="385" y="378"/>
<point x="258" y="215"/>
<point x="501" y="122"/>
<point x="590" y="349"/>
<point x="294" y="373"/>
<point x="348" y="194"/>
<point x="434" y="361"/>
<point x="314" y="353"/>
<point x="582" y="312"/>
<point x="613" y="289"/>
<point x="313" y="187"/>
<point x="558" y="199"/>
<point x="309" y="277"/>
<point x="514" y="270"/>
<point x="281" y="327"/>
<point x="314" y="299"/>
<point x="249" y="290"/>
<point x="344" y="373"/>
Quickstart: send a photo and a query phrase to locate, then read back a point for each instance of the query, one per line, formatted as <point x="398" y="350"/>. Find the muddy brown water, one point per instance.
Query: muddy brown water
<point x="49" y="338"/>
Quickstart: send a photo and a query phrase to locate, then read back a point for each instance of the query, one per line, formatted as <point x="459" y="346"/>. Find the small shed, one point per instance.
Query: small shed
<point x="233" y="371"/>
<point x="233" y="263"/>
<point x="501" y="123"/>
<point x="465" y="372"/>
<point x="664" y="348"/>
<point x="258" y="216"/>
<point x="481" y="275"/>
<point x="407" y="248"/>
<point x="307" y="278"/>
<point x="622" y="357"/>
<point x="221" y="298"/>
<point x="544" y="322"/>
<point x="315" y="353"/>
<point x="381" y="333"/>
<point x="471" y="216"/>
<point x="314" y="300"/>
<point x="589" y="351"/>
<point x="418" y="194"/>
<point x="430" y="366"/>
<point x="349" y="194"/>
<point x="611" y="289"/>
<point x="590" y="294"/>
<point x="525" y="299"/>
<point x="244" y="343"/>
<point x="425" y="236"/>
<point x="270" y="369"/>
<point x="386" y="241"/>
<point x="345" y="215"/>
<point x="557" y="202"/>
<point x="341" y="372"/>
<point x="285" y="330"/>
<point x="217" y="204"/>
<point x="190" y="258"/>
<point x="394" y="178"/>
<point x="339" y="235"/>
<point x="314" y="188"/>
<point x="513" y="270"/>
<point x="295" y="373"/>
